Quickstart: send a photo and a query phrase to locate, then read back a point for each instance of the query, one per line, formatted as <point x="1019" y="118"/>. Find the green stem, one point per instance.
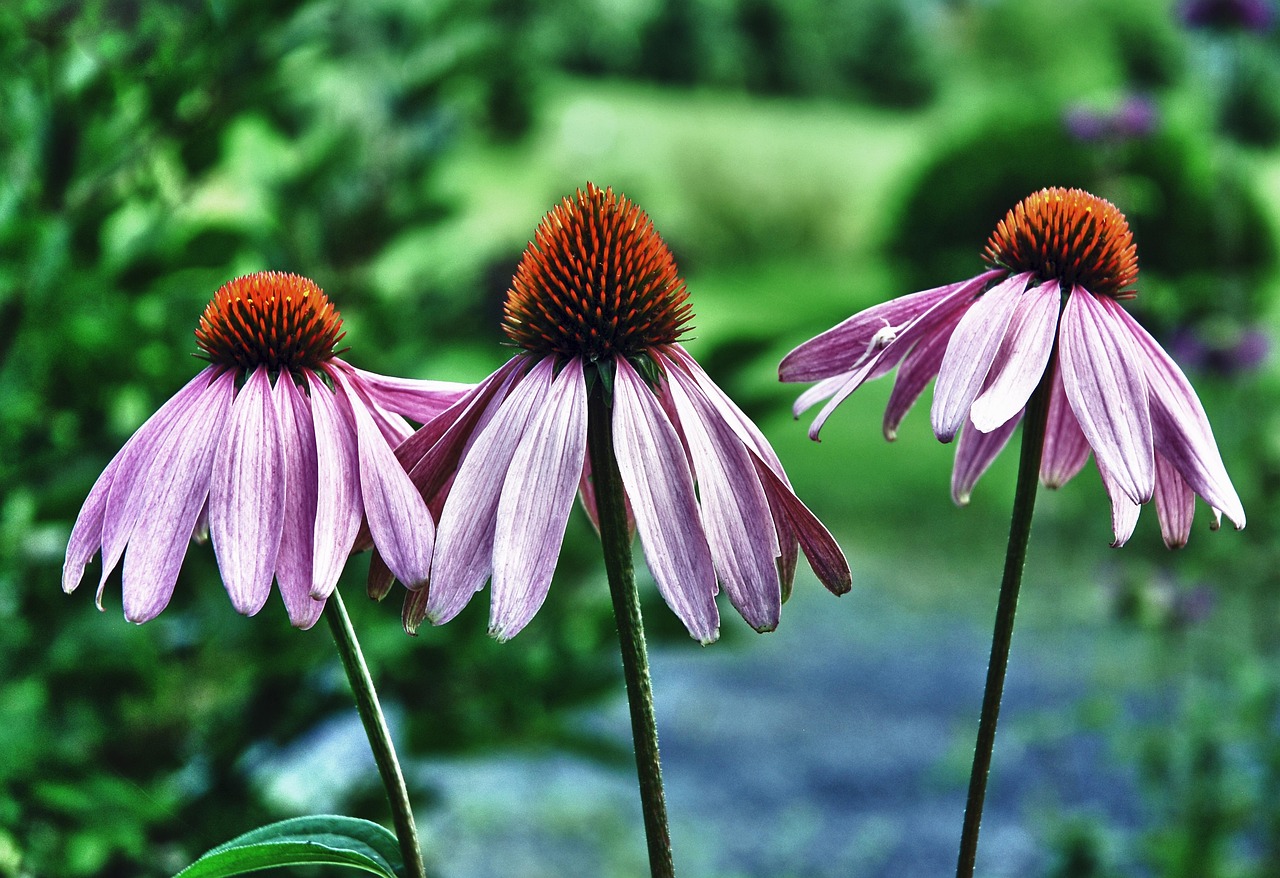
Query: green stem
<point x="1024" y="501"/>
<point x="375" y="728"/>
<point x="616" y="541"/>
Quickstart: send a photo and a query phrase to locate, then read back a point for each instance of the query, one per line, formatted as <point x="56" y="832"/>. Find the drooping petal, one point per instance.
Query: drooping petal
<point x="852" y="382"/>
<point x="823" y="552"/>
<point x="464" y="540"/>
<point x="1124" y="512"/>
<point x="398" y="518"/>
<point x="1066" y="450"/>
<point x="975" y="453"/>
<point x="1102" y="372"/>
<point x="295" y="564"/>
<point x="970" y="353"/>
<point x="110" y="519"/>
<point x="1181" y="428"/>
<point x="658" y="483"/>
<point x="418" y="399"/>
<point x="1175" y="504"/>
<point x="379" y="580"/>
<point x="339" y="504"/>
<point x="246" y="496"/>
<point x="818" y="392"/>
<point x="735" y="511"/>
<point x="841" y="348"/>
<point x="918" y="368"/>
<point x="537" y="496"/>
<point x="1021" y="360"/>
<point x="168" y="515"/>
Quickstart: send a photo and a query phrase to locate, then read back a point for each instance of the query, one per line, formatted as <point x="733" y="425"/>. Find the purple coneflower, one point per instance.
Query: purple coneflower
<point x="276" y="451"/>
<point x="597" y="298"/>
<point x="1061" y="262"/>
<point x="1228" y="15"/>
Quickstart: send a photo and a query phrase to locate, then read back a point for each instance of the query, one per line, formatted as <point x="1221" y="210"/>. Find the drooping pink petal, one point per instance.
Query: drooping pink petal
<point x="536" y="498"/>
<point x="658" y="482"/>
<point x="398" y="518"/>
<point x="1102" y="372"/>
<point x="339" y="504"/>
<point x="246" y="496"/>
<point x="817" y="393"/>
<point x="735" y="511"/>
<point x="1181" y="429"/>
<point x="1066" y="450"/>
<point x="1175" y="504"/>
<point x="975" y="453"/>
<point x="918" y="368"/>
<point x="841" y="348"/>
<point x="110" y="519"/>
<point x="168" y="514"/>
<point x="1021" y="360"/>
<point x="414" y="610"/>
<point x="379" y="580"/>
<point x="823" y="552"/>
<point x="1124" y="512"/>
<point x="295" y="564"/>
<point x="852" y="382"/>
<point x="394" y="429"/>
<point x="464" y="541"/>
<point x="970" y="353"/>
<point x="418" y="399"/>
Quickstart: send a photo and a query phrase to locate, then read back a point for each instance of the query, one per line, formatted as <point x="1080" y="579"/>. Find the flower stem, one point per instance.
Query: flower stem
<point x="616" y="541"/>
<point x="1024" y="501"/>
<point x="375" y="728"/>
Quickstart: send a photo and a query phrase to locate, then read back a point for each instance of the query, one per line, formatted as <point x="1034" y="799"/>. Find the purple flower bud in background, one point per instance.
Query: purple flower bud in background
<point x="1227" y="15"/>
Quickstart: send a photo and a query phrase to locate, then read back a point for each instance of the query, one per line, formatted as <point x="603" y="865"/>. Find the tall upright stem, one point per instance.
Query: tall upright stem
<point x="616" y="541"/>
<point x="1024" y="501"/>
<point x="375" y="728"/>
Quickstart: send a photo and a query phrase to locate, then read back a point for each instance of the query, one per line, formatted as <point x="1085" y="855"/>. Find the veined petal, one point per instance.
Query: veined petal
<point x="168" y="515"/>
<point x="818" y="392"/>
<point x="970" y="353"/>
<point x="339" y="505"/>
<point x="1124" y="512"/>
<point x="1021" y="360"/>
<point x="1102" y="372"/>
<point x="1066" y="450"/>
<point x="1175" y="504"/>
<point x="418" y="399"/>
<point x="398" y="519"/>
<point x="246" y="496"/>
<point x="295" y="564"/>
<point x="975" y="453"/>
<point x="464" y="540"/>
<point x="735" y="511"/>
<point x="536" y="498"/>
<point x="1181" y="429"/>
<point x="658" y="483"/>
<point x="918" y="368"/>
<point x="823" y="552"/>
<point x="394" y="429"/>
<point x="852" y="382"/>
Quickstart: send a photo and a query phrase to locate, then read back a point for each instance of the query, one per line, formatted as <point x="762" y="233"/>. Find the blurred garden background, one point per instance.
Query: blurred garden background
<point x="804" y="159"/>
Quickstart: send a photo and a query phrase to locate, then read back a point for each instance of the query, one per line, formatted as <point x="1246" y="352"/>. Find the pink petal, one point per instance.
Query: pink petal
<point x="918" y="368"/>
<point x="841" y="348"/>
<point x="1102" y="372"/>
<point x="339" y="505"/>
<point x="1021" y="360"/>
<point x="177" y="483"/>
<point x="657" y="480"/>
<point x="380" y="578"/>
<point x="246" y="496"/>
<point x="398" y="519"/>
<point x="464" y="541"/>
<point x="1124" y="512"/>
<point x="537" y="495"/>
<point x="970" y="353"/>
<point x="1066" y="450"/>
<point x="823" y="552"/>
<point x="735" y="511"/>
<point x="1175" y="504"/>
<point x="975" y="453"/>
<point x="1181" y="428"/>
<point x="417" y="399"/>
<point x="295" y="564"/>
<point x="818" y="392"/>
<point x="852" y="382"/>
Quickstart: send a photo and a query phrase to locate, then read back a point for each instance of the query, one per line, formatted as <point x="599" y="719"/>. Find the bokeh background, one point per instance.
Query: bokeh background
<point x="804" y="159"/>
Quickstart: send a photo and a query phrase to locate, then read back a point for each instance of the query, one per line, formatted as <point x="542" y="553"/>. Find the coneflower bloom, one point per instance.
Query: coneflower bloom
<point x="277" y="450"/>
<point x="597" y="297"/>
<point x="1060" y="264"/>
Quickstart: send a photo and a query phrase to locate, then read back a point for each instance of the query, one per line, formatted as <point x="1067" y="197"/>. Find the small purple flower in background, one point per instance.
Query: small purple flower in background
<point x="1244" y="351"/>
<point x="1061" y="262"/>
<point x="1228" y="15"/>
<point x="1136" y="117"/>
<point x="597" y="297"/>
<point x="276" y="451"/>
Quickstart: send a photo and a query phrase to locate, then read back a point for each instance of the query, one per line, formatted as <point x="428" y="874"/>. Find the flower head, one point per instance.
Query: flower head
<point x="276" y="450"/>
<point x="1061" y="262"/>
<point x="596" y="298"/>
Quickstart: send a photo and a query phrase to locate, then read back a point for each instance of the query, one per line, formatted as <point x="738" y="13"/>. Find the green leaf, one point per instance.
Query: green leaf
<point x="325" y="840"/>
